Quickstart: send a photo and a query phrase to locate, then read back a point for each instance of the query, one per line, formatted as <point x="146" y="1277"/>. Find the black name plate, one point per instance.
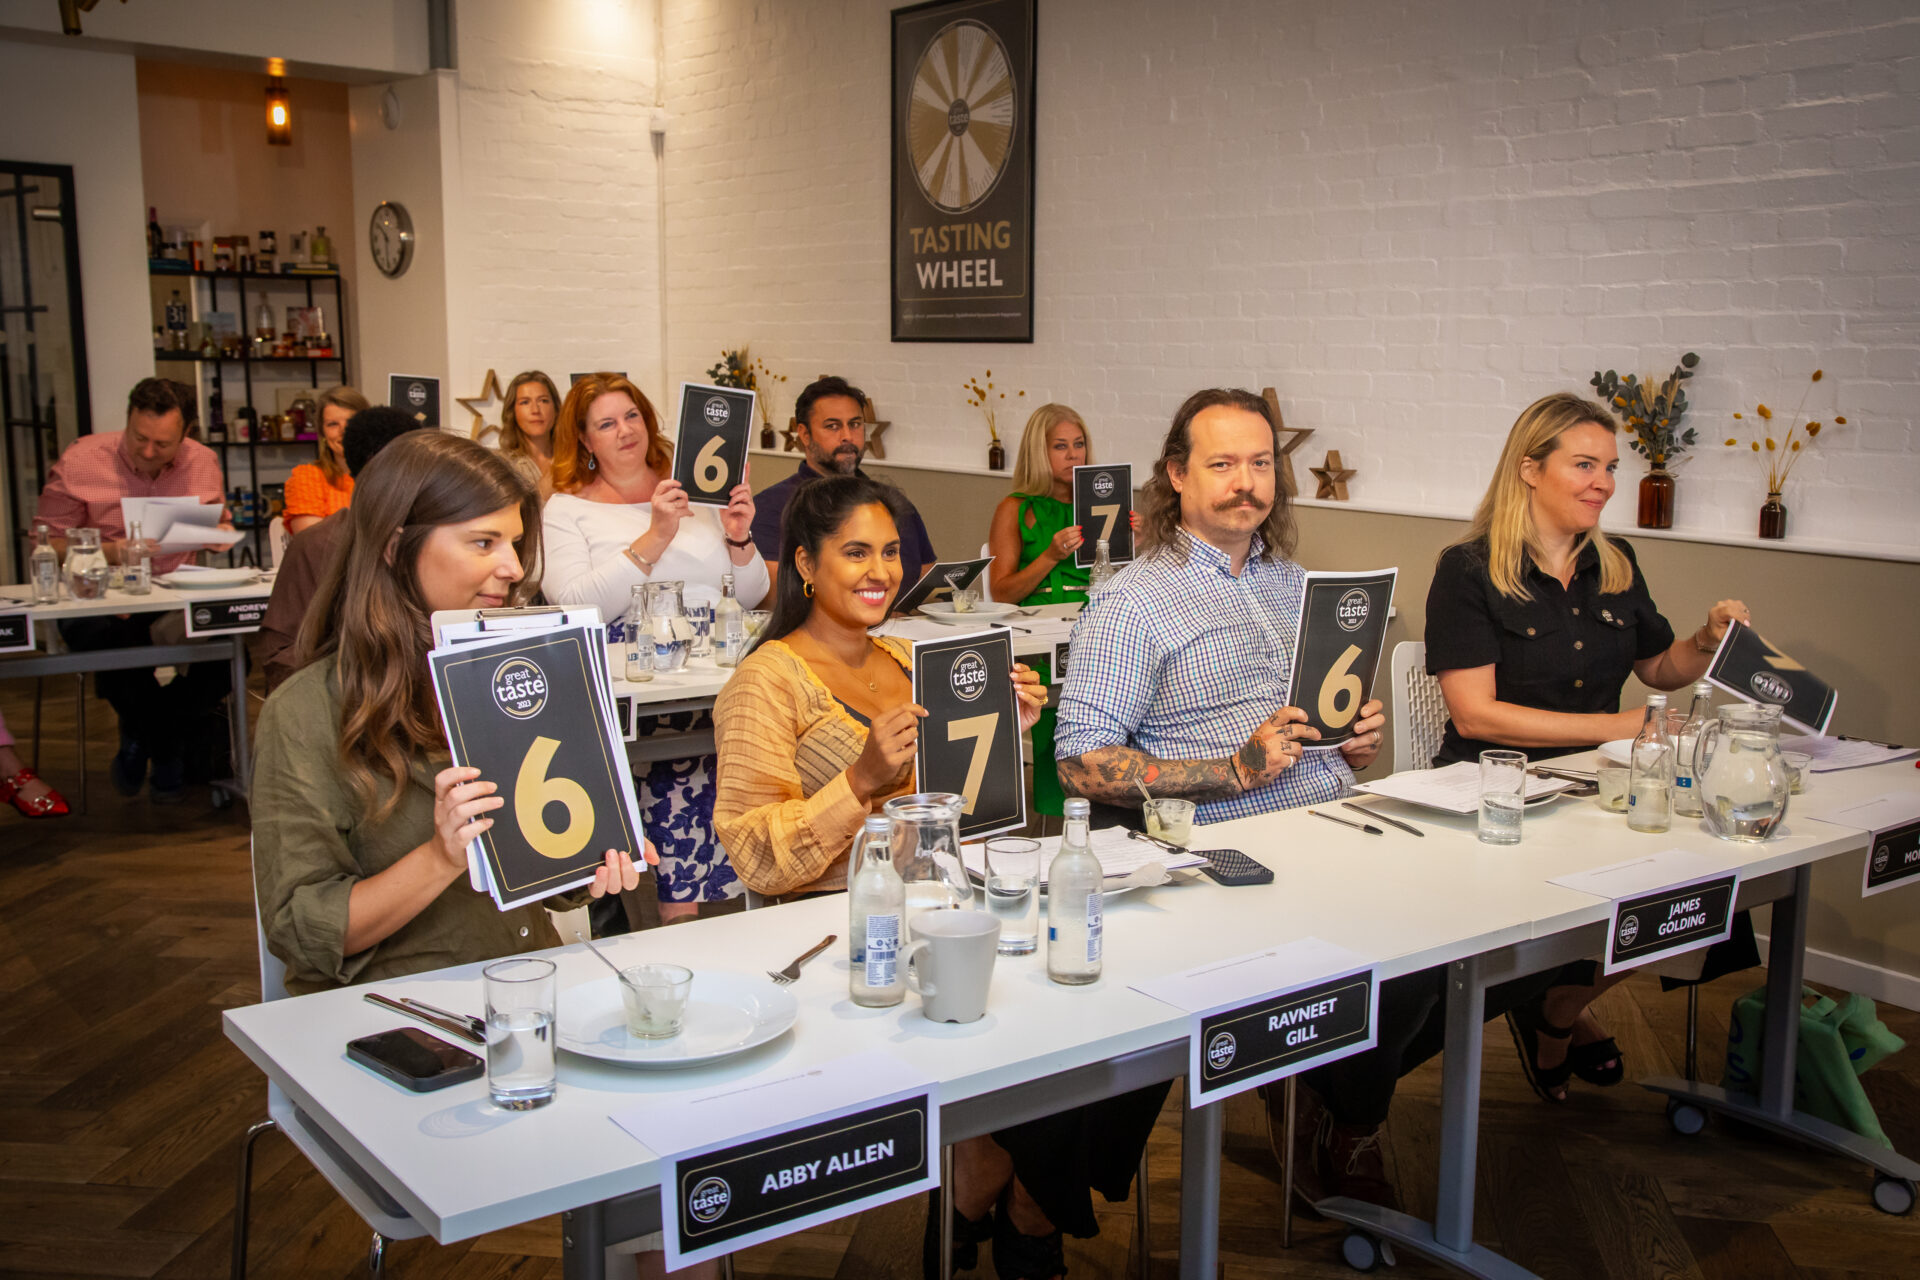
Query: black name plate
<point x="727" y="1199"/>
<point x="1893" y="858"/>
<point x="1278" y="1035"/>
<point x="223" y="617"/>
<point x="1060" y="661"/>
<point x="1675" y="919"/>
<point x="16" y="632"/>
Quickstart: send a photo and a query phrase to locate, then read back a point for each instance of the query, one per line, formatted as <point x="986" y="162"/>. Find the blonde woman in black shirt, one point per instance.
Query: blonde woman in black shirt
<point x="1534" y="622"/>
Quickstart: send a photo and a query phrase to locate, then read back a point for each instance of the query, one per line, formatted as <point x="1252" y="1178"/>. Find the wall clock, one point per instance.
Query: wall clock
<point x="390" y="238"/>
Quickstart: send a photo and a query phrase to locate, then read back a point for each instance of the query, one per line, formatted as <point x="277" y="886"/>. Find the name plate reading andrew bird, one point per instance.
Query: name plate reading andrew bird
<point x="16" y="632"/>
<point x="224" y="617"/>
<point x="758" y="1161"/>
<point x="1666" y="922"/>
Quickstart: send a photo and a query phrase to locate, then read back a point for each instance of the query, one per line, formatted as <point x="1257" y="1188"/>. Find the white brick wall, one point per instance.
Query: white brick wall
<point x="1411" y="218"/>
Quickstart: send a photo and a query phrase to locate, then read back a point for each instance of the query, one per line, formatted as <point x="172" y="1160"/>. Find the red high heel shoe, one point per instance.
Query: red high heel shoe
<point x="50" y="805"/>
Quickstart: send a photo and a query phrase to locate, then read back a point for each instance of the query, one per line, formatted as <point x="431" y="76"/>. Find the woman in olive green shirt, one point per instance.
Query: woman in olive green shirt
<point x="361" y="824"/>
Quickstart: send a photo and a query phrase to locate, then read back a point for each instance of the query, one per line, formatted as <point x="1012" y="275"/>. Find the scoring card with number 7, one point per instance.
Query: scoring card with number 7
<point x="1103" y="508"/>
<point x="710" y="457"/>
<point x="970" y="737"/>
<point x="1336" y="653"/>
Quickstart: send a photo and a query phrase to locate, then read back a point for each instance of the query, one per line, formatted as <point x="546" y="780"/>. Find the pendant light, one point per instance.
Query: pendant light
<point x="279" y="105"/>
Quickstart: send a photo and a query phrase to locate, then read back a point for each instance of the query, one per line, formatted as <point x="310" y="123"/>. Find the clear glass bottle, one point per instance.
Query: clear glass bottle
<point x="136" y="562"/>
<point x="263" y="323"/>
<point x="729" y="626"/>
<point x="45" y="562"/>
<point x="86" y="566"/>
<point x="1650" y="776"/>
<point x="1102" y="567"/>
<point x="176" y="323"/>
<point x="636" y="641"/>
<point x="1686" y="796"/>
<point x="322" y="246"/>
<point x="1075" y="906"/>
<point x="877" y="908"/>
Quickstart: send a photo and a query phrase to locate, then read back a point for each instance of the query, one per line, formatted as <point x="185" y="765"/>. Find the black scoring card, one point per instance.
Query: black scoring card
<point x="938" y="581"/>
<point x="414" y="394"/>
<point x="528" y="715"/>
<point x="1336" y="654"/>
<point x="710" y="457"/>
<point x="1103" y="508"/>
<point x="1747" y="667"/>
<point x="970" y="738"/>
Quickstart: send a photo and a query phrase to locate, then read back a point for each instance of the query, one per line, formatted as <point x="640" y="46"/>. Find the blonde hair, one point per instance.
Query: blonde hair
<point x="1032" y="473"/>
<point x="1504" y="519"/>
<point x="512" y="438"/>
<point x="331" y="465"/>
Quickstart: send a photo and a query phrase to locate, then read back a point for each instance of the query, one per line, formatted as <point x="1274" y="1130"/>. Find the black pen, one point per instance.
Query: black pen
<point x="1367" y="827"/>
<point x="1407" y="827"/>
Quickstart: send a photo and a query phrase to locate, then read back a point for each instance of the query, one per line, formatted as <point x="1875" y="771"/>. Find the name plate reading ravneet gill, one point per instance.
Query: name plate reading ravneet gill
<point x="834" y="1141"/>
<point x="224" y="617"/>
<point x="1666" y="922"/>
<point x="16" y="632"/>
<point x="1262" y="1017"/>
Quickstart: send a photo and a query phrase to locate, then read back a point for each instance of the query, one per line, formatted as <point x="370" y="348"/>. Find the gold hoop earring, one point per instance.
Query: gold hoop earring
<point x="806" y="588"/>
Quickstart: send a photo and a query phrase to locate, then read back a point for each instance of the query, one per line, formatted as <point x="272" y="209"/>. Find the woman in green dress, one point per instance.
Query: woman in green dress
<point x="1033" y="538"/>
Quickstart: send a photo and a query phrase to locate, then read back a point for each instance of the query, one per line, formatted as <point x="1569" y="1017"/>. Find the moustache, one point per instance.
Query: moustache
<point x="1234" y="504"/>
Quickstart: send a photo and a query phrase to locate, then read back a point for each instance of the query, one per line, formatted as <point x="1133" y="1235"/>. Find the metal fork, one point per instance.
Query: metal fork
<point x="792" y="972"/>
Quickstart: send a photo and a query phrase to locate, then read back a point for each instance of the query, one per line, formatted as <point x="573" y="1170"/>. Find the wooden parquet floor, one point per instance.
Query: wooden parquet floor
<point x="125" y="932"/>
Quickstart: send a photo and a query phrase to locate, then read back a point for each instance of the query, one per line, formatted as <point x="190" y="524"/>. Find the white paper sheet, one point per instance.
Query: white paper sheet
<point x="1640" y="875"/>
<point x="1833" y="754"/>
<point x="1229" y="982"/>
<point x="1454" y="788"/>
<point x="1119" y="855"/>
<point x="1894" y="809"/>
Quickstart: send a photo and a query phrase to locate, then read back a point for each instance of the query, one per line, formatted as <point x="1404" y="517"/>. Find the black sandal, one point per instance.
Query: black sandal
<point x="1020" y="1257"/>
<point x="1528" y="1024"/>
<point x="968" y="1236"/>
<point x="1587" y="1061"/>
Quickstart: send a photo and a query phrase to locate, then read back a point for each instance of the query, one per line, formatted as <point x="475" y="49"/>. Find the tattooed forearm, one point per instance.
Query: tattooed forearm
<point x="1109" y="775"/>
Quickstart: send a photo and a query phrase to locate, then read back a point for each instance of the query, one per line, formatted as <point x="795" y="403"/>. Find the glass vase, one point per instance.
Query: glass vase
<point x="996" y="457"/>
<point x="1656" y="498"/>
<point x="1773" y="517"/>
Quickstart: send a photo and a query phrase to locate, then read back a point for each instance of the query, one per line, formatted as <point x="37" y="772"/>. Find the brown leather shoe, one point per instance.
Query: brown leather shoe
<point x="1351" y="1165"/>
<point x="1309" y="1118"/>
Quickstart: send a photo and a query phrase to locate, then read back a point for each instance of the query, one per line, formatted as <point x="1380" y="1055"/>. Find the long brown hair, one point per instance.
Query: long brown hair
<point x="1504" y="519"/>
<point x="1160" y="510"/>
<point x="570" y="470"/>
<point x="512" y="438"/>
<point x="353" y="402"/>
<point x="369" y="612"/>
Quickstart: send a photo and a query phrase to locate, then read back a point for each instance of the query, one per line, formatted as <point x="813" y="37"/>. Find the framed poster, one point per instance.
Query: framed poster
<point x="962" y="117"/>
<point x="415" y="394"/>
<point x="710" y="456"/>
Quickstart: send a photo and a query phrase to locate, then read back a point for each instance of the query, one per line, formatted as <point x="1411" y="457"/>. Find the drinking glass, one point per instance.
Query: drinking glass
<point x="1799" y="765"/>
<point x="522" y="999"/>
<point x="1503" y="795"/>
<point x="656" y="999"/>
<point x="1013" y="892"/>
<point x="1613" y="779"/>
<point x="1170" y="820"/>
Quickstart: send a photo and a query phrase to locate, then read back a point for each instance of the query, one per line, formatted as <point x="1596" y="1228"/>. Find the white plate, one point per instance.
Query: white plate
<point x="985" y="611"/>
<point x="1617" y="752"/>
<point x="208" y="578"/>
<point x="728" y="1013"/>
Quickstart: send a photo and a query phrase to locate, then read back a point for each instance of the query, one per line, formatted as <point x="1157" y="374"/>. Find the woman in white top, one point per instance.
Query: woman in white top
<point x="617" y="519"/>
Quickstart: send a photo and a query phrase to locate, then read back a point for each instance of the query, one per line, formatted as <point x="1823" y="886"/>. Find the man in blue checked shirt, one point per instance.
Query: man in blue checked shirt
<point x="1179" y="676"/>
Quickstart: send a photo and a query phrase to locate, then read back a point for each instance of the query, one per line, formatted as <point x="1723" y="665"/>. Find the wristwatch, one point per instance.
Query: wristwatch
<point x="741" y="545"/>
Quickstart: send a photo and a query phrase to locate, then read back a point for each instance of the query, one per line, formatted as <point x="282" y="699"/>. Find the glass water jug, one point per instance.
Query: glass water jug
<point x="672" y="628"/>
<point x="926" y="851"/>
<point x="1742" y="779"/>
<point x="86" y="566"/>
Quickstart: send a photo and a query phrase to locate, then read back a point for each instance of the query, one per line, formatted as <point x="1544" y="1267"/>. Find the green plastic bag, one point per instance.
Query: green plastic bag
<point x="1839" y="1039"/>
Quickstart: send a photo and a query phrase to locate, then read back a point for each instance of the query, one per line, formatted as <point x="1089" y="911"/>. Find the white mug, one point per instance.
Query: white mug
<point x="949" y="963"/>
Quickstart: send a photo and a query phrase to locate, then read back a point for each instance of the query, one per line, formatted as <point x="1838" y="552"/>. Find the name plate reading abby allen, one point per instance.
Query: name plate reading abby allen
<point x="1336" y="653"/>
<point x="16" y="632"/>
<point x="710" y="457"/>
<point x="1103" y="508"/>
<point x="1666" y="922"/>
<point x="970" y="738"/>
<point x="1749" y="668"/>
<point x="224" y="617"/>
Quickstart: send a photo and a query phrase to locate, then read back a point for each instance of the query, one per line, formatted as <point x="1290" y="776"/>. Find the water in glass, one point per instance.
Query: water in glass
<point x="1013" y="892"/>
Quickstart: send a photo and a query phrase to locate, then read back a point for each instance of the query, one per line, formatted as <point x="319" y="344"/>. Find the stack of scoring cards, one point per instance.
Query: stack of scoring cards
<point x="970" y="737"/>
<point x="527" y="700"/>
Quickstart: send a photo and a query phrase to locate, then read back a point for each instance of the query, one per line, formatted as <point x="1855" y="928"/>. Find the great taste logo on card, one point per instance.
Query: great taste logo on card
<point x="520" y="688"/>
<point x="1351" y="612"/>
<point x="969" y="676"/>
<point x="716" y="411"/>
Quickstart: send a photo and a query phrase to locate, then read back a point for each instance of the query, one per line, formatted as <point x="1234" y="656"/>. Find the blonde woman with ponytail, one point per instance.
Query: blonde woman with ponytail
<point x="1534" y="622"/>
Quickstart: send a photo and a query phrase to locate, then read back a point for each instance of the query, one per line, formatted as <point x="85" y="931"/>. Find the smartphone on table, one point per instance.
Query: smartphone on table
<point x="416" y="1060"/>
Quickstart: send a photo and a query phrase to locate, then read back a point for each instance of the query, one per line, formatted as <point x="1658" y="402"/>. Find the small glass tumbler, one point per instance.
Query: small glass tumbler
<point x="1169" y="820"/>
<point x="1612" y="780"/>
<point x="656" y="999"/>
<point x="522" y="1001"/>
<point x="1013" y="892"/>
<point x="1799" y="766"/>
<point x="1503" y="795"/>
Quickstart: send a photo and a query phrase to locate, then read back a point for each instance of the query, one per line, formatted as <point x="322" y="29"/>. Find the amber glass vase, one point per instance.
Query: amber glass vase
<point x="1773" y="517"/>
<point x="996" y="457"/>
<point x="1656" y="498"/>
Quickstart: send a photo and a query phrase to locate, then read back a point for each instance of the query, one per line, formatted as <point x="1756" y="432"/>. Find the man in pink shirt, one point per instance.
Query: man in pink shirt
<point x="153" y="457"/>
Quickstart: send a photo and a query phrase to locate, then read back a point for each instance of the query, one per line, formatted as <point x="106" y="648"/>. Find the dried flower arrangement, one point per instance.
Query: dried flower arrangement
<point x="1654" y="425"/>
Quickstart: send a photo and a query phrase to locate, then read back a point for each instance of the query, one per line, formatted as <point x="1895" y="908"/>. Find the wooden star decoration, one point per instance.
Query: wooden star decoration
<point x="875" y="429"/>
<point x="790" y="437"/>
<point x="1333" y="477"/>
<point x="1291" y="438"/>
<point x="488" y="400"/>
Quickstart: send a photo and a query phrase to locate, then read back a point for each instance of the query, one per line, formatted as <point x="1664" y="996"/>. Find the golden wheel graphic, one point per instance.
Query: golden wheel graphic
<point x="960" y="121"/>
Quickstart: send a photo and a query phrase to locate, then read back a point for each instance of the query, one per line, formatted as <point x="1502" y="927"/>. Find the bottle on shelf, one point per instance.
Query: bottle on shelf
<point x="1650" y="771"/>
<point x="1075" y="906"/>
<point x="156" y="242"/>
<point x="877" y="907"/>
<point x="265" y="255"/>
<point x="1686" y="796"/>
<point x="1102" y="568"/>
<point x="216" y="420"/>
<point x="176" y="323"/>
<point x="322" y="251"/>
<point x="45" y="562"/>
<point x="729" y="626"/>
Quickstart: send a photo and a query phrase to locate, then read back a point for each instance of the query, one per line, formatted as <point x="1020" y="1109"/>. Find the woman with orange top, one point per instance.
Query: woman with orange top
<point x="316" y="490"/>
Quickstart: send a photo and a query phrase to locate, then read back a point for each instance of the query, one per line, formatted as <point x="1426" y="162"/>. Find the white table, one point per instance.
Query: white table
<point x="231" y="646"/>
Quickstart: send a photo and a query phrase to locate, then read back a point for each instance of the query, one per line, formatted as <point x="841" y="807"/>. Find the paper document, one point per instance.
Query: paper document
<point x="1119" y="855"/>
<point x="1894" y="809"/>
<point x="1830" y="755"/>
<point x="1228" y="982"/>
<point x="1455" y="788"/>
<point x="1640" y="875"/>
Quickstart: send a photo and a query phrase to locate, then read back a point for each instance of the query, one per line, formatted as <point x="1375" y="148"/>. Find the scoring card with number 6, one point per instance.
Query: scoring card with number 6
<point x="1103" y="508"/>
<point x="710" y="457"/>
<point x="970" y="737"/>
<point x="1336" y="654"/>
